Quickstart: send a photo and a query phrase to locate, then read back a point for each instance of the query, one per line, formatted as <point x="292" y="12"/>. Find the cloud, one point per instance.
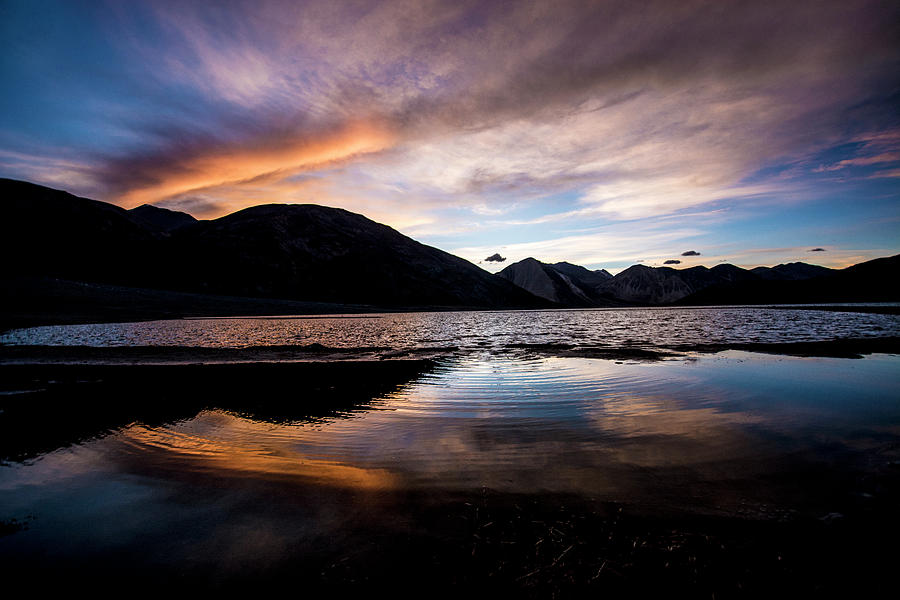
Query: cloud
<point x="817" y="250"/>
<point x="208" y="165"/>
<point x="749" y="258"/>
<point x="872" y="149"/>
<point x="888" y="173"/>
<point x="60" y="172"/>
<point x="887" y="157"/>
<point x="495" y="258"/>
<point x="672" y="261"/>
<point x="690" y="253"/>
<point x="600" y="247"/>
<point x="479" y="120"/>
<point x="671" y="107"/>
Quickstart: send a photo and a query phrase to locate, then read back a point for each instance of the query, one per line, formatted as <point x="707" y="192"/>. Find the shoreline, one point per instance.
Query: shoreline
<point x="12" y="355"/>
<point x="35" y="302"/>
<point x="46" y="406"/>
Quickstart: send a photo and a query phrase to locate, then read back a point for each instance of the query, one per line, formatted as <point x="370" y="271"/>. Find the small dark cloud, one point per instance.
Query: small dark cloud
<point x="672" y="262"/>
<point x="495" y="258"/>
<point x="690" y="253"/>
<point x="818" y="250"/>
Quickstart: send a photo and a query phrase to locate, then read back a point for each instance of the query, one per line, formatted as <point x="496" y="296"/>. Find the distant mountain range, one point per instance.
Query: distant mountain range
<point x="640" y="285"/>
<point x="562" y="283"/>
<point x="60" y="250"/>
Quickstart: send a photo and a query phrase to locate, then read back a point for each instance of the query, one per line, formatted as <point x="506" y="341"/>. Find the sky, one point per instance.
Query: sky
<point x="599" y="133"/>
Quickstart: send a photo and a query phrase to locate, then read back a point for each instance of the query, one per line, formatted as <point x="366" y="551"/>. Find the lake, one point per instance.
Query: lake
<point x="479" y="330"/>
<point x="482" y="469"/>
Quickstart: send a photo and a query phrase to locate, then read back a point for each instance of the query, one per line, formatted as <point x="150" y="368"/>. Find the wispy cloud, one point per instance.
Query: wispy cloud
<point x="204" y="168"/>
<point x="671" y="107"/>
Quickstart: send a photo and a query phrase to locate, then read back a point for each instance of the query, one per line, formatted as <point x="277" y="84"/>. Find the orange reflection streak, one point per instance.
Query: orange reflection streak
<point x="234" y="166"/>
<point x="241" y="455"/>
<point x="454" y="438"/>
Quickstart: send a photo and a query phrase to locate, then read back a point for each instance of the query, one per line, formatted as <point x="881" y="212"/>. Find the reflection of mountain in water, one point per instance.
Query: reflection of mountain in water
<point x="61" y="405"/>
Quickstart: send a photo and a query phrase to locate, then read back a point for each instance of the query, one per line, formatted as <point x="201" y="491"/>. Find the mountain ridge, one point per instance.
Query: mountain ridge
<point x="312" y="253"/>
<point x="797" y="282"/>
<point x="295" y="252"/>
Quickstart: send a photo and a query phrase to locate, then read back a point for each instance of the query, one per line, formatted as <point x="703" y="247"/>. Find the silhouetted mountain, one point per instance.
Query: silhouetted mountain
<point x="791" y="271"/>
<point x="583" y="276"/>
<point x="160" y="219"/>
<point x="876" y="280"/>
<point x="317" y="253"/>
<point x="53" y="233"/>
<point x="570" y="285"/>
<point x="297" y="252"/>
<point x="727" y="284"/>
<point x="730" y="273"/>
<point x="640" y="284"/>
<point x="563" y="283"/>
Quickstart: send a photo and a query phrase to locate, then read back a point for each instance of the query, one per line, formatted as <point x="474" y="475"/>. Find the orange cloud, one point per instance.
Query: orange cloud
<point x="231" y="166"/>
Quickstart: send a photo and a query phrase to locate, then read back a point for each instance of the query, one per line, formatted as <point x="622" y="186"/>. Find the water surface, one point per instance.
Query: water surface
<point x="494" y="467"/>
<point x="479" y="444"/>
<point x="647" y="327"/>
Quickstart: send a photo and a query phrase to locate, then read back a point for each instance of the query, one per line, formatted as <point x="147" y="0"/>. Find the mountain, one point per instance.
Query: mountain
<point x="876" y="280"/>
<point x="294" y="252"/>
<point x="575" y="286"/>
<point x="732" y="274"/>
<point x="582" y="275"/>
<point x="793" y="283"/>
<point x="159" y="219"/>
<point x="791" y="271"/>
<point x="644" y="285"/>
<point x="317" y="253"/>
<point x="562" y="283"/>
<point x="53" y="233"/>
<point x="640" y="285"/>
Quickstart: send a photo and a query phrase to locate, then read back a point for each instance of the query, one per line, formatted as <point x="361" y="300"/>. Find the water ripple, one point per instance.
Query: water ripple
<point x="480" y="331"/>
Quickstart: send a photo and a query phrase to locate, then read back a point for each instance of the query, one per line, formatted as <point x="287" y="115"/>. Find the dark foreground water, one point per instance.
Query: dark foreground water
<point x="727" y="474"/>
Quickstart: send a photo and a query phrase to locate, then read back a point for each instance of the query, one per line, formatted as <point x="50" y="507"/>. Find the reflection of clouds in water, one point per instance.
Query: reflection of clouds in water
<point x="227" y="492"/>
<point x="562" y="424"/>
<point x="219" y="443"/>
<point x="575" y="425"/>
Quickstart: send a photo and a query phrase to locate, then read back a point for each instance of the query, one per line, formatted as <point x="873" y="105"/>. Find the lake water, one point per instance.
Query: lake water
<point x="711" y="473"/>
<point x="645" y="327"/>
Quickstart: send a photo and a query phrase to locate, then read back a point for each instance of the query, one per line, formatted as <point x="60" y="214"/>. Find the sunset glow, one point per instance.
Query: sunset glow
<point x="600" y="133"/>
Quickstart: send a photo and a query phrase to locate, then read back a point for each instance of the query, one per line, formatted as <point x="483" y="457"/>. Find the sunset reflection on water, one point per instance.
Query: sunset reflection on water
<point x="583" y="426"/>
<point x="732" y="434"/>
